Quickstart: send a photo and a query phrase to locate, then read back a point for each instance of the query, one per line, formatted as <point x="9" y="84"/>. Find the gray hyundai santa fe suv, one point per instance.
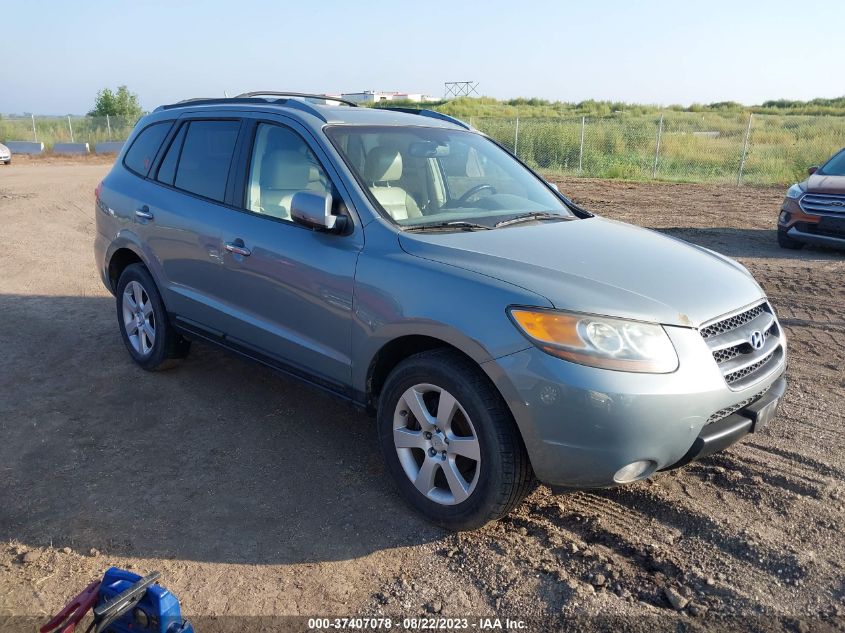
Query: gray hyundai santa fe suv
<point x="408" y="263"/>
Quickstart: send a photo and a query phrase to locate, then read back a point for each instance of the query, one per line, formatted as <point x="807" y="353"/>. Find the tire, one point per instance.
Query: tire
<point x="8" y="162"/>
<point x="490" y="486"/>
<point x="155" y="345"/>
<point x="787" y="242"/>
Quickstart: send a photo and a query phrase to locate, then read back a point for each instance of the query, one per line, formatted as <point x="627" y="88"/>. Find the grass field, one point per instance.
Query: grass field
<point x="696" y="144"/>
<point x="694" y="147"/>
<point x="52" y="130"/>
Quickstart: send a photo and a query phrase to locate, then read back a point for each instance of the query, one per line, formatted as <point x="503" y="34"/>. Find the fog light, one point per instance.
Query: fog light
<point x="784" y="217"/>
<point x="635" y="470"/>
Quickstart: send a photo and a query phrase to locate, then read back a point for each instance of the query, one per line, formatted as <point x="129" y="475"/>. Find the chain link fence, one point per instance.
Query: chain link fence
<point x="674" y="146"/>
<point x="65" y="129"/>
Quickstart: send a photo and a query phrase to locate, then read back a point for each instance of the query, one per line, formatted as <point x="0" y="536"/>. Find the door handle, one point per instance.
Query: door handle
<point x="237" y="247"/>
<point x="144" y="213"/>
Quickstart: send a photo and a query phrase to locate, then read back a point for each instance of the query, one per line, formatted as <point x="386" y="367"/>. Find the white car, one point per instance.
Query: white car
<point x="5" y="154"/>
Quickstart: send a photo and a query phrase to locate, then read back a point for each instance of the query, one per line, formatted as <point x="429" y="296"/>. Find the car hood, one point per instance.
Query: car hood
<point x="819" y="183"/>
<point x="599" y="266"/>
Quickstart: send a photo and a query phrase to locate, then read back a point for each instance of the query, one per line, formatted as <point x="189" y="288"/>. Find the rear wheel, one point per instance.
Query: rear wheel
<point x="787" y="242"/>
<point x="450" y="442"/>
<point x="150" y="339"/>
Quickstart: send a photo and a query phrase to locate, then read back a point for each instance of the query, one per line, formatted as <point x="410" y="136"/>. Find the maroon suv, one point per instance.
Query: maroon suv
<point x="813" y="211"/>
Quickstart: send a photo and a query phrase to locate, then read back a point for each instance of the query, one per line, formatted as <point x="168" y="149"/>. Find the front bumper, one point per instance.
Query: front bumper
<point x="721" y="434"/>
<point x="819" y="230"/>
<point x="581" y="424"/>
<point x="814" y="233"/>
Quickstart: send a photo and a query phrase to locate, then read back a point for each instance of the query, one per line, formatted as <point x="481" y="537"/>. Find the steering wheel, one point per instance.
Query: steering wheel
<point x="473" y="191"/>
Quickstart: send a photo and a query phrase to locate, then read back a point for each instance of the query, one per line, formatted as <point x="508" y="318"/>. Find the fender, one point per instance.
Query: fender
<point x="459" y="307"/>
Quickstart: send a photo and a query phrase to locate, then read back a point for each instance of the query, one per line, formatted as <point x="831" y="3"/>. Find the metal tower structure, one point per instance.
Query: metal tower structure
<point x="460" y="89"/>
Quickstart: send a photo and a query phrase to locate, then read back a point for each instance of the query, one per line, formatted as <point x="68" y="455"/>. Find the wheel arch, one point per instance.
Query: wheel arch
<point x="119" y="260"/>
<point x="126" y="249"/>
<point x="393" y="352"/>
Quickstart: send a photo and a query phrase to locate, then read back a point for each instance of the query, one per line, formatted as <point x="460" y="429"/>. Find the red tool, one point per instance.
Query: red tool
<point x="65" y="621"/>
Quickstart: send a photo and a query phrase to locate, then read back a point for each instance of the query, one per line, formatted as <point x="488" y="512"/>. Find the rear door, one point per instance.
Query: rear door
<point x="289" y="286"/>
<point x="186" y="207"/>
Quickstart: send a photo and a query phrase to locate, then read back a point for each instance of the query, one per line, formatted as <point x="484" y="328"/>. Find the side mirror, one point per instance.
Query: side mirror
<point x="812" y="170"/>
<point x="314" y="210"/>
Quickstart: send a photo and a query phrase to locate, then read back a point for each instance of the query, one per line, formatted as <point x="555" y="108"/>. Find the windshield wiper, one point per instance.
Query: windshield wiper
<point x="460" y="225"/>
<point x="530" y="217"/>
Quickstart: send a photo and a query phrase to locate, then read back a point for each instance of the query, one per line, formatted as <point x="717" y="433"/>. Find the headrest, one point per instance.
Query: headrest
<point x="285" y="169"/>
<point x="383" y="164"/>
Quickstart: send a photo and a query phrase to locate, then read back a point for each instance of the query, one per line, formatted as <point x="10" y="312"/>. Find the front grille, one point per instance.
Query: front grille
<point x="747" y="371"/>
<point x="723" y="413"/>
<point x="726" y="354"/>
<point x="732" y="323"/>
<point x="824" y="203"/>
<point x="730" y="341"/>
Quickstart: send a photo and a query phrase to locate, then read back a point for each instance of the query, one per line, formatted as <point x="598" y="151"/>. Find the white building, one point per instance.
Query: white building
<point x="374" y="96"/>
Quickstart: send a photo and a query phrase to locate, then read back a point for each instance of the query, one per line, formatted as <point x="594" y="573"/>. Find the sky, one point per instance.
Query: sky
<point x="58" y="54"/>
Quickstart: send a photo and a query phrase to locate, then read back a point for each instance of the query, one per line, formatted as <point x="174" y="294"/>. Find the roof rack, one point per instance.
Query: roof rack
<point x="433" y="114"/>
<point x="289" y="99"/>
<point x="207" y="101"/>
<point x="299" y="95"/>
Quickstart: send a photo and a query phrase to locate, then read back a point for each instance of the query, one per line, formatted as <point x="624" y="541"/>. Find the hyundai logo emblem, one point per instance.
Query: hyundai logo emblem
<point x="837" y="203"/>
<point x="756" y="339"/>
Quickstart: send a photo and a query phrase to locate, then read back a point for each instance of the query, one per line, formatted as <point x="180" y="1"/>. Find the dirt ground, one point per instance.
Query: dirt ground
<point x="254" y="495"/>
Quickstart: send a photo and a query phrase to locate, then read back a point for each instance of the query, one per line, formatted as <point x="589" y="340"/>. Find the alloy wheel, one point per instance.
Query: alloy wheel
<point x="437" y="445"/>
<point x="139" y="318"/>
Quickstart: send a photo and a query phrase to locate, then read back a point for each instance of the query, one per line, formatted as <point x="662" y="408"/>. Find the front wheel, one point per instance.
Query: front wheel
<point x="450" y="441"/>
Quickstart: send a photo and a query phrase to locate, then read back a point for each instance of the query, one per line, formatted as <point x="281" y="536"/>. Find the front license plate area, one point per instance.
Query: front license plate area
<point x="832" y="225"/>
<point x="765" y="415"/>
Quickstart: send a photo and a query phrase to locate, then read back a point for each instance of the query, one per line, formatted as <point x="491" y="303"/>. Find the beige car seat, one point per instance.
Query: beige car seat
<point x="283" y="173"/>
<point x="382" y="167"/>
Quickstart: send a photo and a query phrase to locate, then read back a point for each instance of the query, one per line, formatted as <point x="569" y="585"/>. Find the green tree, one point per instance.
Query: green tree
<point x="121" y="103"/>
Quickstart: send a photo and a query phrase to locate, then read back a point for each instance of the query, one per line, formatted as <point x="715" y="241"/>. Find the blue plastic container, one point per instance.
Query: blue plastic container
<point x="157" y="612"/>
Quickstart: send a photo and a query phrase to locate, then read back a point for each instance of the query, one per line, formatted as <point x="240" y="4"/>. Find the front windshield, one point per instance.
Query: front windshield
<point x="835" y="166"/>
<point x="425" y="177"/>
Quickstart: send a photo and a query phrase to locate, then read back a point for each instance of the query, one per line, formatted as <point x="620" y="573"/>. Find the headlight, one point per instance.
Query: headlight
<point x="795" y="192"/>
<point x="599" y="341"/>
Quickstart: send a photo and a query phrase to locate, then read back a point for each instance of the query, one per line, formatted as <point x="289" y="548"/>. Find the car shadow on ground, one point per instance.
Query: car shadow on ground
<point x="217" y="460"/>
<point x="734" y="242"/>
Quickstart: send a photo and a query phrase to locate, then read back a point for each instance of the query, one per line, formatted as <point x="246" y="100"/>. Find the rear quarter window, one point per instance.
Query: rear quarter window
<point x="143" y="151"/>
<point x="167" y="167"/>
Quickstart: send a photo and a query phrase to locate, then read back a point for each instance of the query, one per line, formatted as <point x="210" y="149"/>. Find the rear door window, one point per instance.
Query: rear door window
<point x="144" y="148"/>
<point x="205" y="158"/>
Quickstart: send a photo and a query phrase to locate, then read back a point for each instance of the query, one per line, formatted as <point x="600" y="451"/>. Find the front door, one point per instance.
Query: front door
<point x="289" y="287"/>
